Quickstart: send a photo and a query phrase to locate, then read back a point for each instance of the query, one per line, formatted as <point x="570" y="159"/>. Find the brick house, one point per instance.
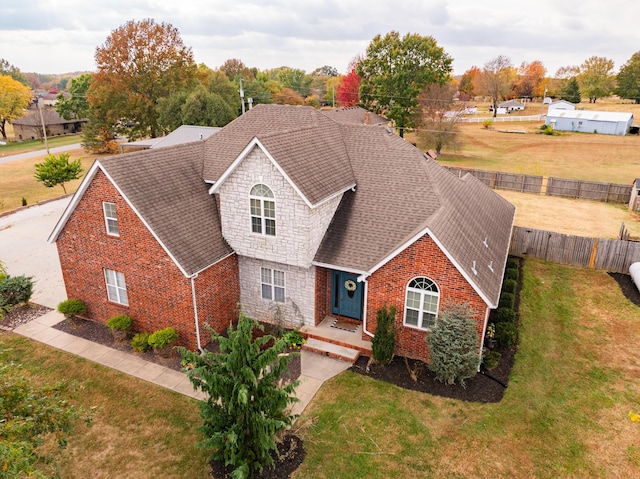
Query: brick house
<point x="29" y="127"/>
<point x="288" y="210"/>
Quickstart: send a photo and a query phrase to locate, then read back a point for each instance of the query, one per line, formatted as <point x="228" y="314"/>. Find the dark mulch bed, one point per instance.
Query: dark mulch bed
<point x="101" y="334"/>
<point x="22" y="314"/>
<point x="628" y="287"/>
<point x="289" y="456"/>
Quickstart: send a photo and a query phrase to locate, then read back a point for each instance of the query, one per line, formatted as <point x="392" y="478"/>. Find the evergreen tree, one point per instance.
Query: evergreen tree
<point x="246" y="407"/>
<point x="454" y="345"/>
<point x="571" y="92"/>
<point x="384" y="340"/>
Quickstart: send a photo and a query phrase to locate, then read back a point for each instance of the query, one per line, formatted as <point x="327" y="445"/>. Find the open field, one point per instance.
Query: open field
<point x="604" y="158"/>
<point x="564" y="415"/>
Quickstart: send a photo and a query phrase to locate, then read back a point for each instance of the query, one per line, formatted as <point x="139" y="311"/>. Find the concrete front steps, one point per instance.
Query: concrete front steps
<point x="335" y="343"/>
<point x="332" y="350"/>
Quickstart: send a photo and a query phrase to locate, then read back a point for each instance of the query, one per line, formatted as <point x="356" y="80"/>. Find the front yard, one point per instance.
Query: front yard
<point x="565" y="413"/>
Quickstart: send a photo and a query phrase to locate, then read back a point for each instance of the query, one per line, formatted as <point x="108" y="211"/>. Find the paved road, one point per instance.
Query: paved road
<point x="24" y="249"/>
<point x="31" y="154"/>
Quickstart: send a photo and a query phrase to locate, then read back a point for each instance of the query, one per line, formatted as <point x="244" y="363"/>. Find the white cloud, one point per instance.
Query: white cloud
<point x="61" y="35"/>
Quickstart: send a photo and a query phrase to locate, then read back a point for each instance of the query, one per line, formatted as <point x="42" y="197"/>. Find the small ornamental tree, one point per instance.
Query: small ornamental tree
<point x="246" y="406"/>
<point x="384" y="340"/>
<point x="58" y="170"/>
<point x="454" y="345"/>
<point x="14" y="290"/>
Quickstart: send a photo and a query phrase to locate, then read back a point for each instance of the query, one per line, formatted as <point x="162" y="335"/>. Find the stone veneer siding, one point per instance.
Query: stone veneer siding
<point x="159" y="294"/>
<point x="299" y="229"/>
<point x="388" y="285"/>
<point x="299" y="292"/>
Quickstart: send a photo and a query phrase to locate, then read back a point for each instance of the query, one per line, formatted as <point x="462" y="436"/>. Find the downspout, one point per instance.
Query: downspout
<point x="363" y="279"/>
<point x="195" y="310"/>
<point x="484" y="332"/>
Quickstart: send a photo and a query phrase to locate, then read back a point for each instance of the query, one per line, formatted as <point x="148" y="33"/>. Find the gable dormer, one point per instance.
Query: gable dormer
<point x="265" y="215"/>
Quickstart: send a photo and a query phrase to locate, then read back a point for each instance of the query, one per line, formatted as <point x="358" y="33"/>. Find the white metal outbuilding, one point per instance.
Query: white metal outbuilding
<point x="604" y="122"/>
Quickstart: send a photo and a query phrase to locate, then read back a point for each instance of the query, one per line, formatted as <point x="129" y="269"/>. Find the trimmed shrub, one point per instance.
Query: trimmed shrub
<point x="140" y="342"/>
<point x="507" y="300"/>
<point x="72" y="307"/>
<point x="453" y="345"/>
<point x="505" y="315"/>
<point x="121" y="322"/>
<point x="506" y="334"/>
<point x="162" y="337"/>
<point x="15" y="290"/>
<point x="511" y="273"/>
<point x="384" y="340"/>
<point x="509" y="286"/>
<point x="491" y="359"/>
<point x="513" y="263"/>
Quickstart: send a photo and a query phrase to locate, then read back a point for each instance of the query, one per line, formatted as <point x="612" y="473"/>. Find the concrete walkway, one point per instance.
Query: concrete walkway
<point x="315" y="368"/>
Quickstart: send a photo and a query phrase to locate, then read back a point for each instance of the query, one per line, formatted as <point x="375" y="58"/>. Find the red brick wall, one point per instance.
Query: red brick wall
<point x="218" y="296"/>
<point x="159" y="294"/>
<point x="322" y="294"/>
<point x="389" y="284"/>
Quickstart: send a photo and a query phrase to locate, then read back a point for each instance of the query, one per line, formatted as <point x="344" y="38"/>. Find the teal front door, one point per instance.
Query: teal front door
<point x="346" y="295"/>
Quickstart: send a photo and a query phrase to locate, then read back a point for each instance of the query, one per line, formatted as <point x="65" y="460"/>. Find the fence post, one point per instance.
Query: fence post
<point x="594" y="253"/>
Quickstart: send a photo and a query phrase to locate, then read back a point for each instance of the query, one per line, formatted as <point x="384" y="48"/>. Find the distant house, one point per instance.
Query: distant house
<point x="562" y="105"/>
<point x="604" y="122"/>
<point x="182" y="134"/>
<point x="511" y="105"/>
<point x="286" y="208"/>
<point x="29" y="127"/>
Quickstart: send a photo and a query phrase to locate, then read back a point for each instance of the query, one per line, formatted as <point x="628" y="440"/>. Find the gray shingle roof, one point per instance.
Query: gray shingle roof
<point x="355" y="115"/>
<point x="401" y="193"/>
<point x="306" y="144"/>
<point x="165" y="186"/>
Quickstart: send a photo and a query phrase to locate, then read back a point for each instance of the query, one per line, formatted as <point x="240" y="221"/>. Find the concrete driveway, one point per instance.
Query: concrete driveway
<point x="24" y="249"/>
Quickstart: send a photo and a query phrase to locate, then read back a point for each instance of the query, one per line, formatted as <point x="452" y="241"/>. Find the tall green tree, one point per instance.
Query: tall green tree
<point x="496" y="79"/>
<point x="294" y="79"/>
<point x="245" y="407"/>
<point x="77" y="105"/>
<point x="394" y="72"/>
<point x="596" y="78"/>
<point x="628" y="79"/>
<point x="58" y="170"/>
<point x="15" y="97"/>
<point x="139" y="63"/>
<point x="571" y="91"/>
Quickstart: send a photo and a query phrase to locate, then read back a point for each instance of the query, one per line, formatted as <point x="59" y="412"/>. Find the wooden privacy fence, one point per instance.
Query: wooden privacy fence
<point x="589" y="190"/>
<point x="597" y="253"/>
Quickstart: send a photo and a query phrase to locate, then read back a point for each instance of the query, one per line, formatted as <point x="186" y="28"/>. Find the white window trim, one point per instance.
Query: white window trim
<point x="263" y="218"/>
<point x="120" y="294"/>
<point x="272" y="286"/>
<point x="113" y="219"/>
<point x="422" y="293"/>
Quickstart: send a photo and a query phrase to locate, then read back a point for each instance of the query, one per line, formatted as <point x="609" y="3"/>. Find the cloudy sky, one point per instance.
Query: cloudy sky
<point x="59" y="36"/>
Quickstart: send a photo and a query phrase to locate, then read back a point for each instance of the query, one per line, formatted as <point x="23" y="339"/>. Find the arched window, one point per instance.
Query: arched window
<point x="421" y="306"/>
<point x="263" y="210"/>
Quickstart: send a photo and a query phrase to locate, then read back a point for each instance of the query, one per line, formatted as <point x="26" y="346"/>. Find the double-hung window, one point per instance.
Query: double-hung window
<point x="263" y="210"/>
<point x="421" y="306"/>
<point x="111" y="218"/>
<point x="116" y="287"/>
<point x="272" y="281"/>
